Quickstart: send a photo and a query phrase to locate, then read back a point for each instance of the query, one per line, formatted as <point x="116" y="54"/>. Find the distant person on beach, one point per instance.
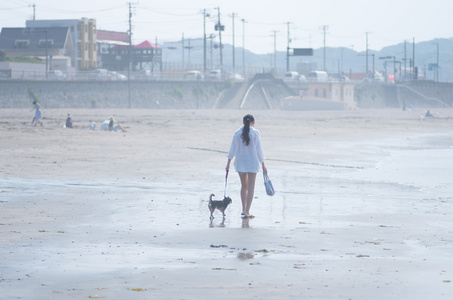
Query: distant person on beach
<point x="111" y="125"/>
<point x="428" y="114"/>
<point x="246" y="147"/>
<point x="38" y="114"/>
<point x="69" y="121"/>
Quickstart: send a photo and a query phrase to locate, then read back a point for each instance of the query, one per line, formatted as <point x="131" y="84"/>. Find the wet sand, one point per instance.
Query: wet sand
<point x="363" y="206"/>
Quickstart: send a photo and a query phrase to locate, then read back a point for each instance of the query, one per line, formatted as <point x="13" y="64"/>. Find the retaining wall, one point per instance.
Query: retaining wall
<point x="110" y="94"/>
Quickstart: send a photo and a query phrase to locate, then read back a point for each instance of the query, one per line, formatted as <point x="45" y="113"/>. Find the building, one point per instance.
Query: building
<point x="83" y="35"/>
<point x="338" y="92"/>
<point x="53" y="45"/>
<point x="115" y="54"/>
<point x="108" y="57"/>
<point x="148" y="56"/>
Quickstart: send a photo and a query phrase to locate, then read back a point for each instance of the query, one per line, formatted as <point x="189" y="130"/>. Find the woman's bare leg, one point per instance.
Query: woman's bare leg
<point x="251" y="177"/>
<point x="243" y="177"/>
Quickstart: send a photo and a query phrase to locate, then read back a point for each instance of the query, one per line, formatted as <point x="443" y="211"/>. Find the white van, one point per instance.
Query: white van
<point x="291" y="76"/>
<point x="319" y="76"/>
<point x="194" y="76"/>
<point x="215" y="75"/>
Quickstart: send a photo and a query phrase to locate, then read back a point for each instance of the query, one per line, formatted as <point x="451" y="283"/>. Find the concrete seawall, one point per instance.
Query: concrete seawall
<point x="203" y="94"/>
<point x="421" y="94"/>
<point x="110" y="94"/>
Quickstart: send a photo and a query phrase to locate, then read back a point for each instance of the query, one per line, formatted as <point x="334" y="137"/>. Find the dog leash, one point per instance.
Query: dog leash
<point x="226" y="177"/>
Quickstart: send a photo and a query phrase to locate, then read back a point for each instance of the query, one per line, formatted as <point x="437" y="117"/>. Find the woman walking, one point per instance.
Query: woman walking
<point x="246" y="147"/>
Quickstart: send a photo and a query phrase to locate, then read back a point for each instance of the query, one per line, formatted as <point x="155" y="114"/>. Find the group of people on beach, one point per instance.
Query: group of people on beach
<point x="108" y="125"/>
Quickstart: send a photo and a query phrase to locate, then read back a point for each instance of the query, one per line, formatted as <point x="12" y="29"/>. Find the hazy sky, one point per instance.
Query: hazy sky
<point x="347" y="21"/>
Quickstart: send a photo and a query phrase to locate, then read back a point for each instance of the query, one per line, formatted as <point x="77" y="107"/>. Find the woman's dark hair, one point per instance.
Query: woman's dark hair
<point x="246" y="129"/>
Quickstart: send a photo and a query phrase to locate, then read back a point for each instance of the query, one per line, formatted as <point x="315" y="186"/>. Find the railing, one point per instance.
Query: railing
<point x="57" y="75"/>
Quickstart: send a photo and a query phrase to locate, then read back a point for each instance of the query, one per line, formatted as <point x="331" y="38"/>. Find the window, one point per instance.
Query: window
<point x="21" y="43"/>
<point x="324" y="93"/>
<point x="42" y="43"/>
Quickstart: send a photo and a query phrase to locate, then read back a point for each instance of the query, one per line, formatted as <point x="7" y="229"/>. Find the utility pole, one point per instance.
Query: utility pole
<point x="275" y="50"/>
<point x="366" y="54"/>
<point x="211" y="37"/>
<point x="405" y="72"/>
<point x="34" y="12"/>
<point x="182" y="47"/>
<point x="437" y="66"/>
<point x="130" y="56"/>
<point x="243" y="47"/>
<point x="204" y="39"/>
<point x="220" y="40"/>
<point x="234" y="59"/>
<point x="188" y="55"/>
<point x="325" y="27"/>
<point x="287" y="49"/>
<point x="373" y="67"/>
<point x="413" y="57"/>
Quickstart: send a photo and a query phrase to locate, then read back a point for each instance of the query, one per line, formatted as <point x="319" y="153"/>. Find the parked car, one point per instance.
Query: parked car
<point x="56" y="75"/>
<point x="146" y="74"/>
<point x="215" y="75"/>
<point x="194" y="75"/>
<point x="116" y="76"/>
<point x="236" y="77"/>
<point x="289" y="76"/>
<point x="99" y="74"/>
<point x="318" y="76"/>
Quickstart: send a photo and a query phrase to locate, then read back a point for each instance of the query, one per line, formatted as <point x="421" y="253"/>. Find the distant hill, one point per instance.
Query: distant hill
<point x="336" y="59"/>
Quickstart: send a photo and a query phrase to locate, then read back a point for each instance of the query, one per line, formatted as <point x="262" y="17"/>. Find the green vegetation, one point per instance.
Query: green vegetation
<point x="178" y="92"/>
<point x="31" y="60"/>
<point x="33" y="95"/>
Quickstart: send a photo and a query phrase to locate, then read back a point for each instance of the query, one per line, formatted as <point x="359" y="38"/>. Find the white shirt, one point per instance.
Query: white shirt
<point x="248" y="158"/>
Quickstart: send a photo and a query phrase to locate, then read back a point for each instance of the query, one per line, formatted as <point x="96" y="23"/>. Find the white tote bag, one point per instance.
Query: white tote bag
<point x="268" y="185"/>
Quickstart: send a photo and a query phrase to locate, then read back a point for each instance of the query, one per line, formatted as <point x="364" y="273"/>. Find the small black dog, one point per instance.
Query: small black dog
<point x="219" y="204"/>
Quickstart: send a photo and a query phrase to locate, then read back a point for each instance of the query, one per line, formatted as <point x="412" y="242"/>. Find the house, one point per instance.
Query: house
<point x="20" y="42"/>
<point x="145" y="56"/>
<point x="148" y="56"/>
<point x="83" y="34"/>
<point x="338" y="92"/>
<point x="44" y="43"/>
<point x="108" y="58"/>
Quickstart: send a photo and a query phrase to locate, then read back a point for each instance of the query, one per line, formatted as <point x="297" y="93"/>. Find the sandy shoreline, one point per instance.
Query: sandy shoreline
<point x="363" y="208"/>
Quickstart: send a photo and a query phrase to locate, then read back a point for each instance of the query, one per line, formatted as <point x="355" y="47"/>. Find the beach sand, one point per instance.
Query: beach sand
<point x="363" y="206"/>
